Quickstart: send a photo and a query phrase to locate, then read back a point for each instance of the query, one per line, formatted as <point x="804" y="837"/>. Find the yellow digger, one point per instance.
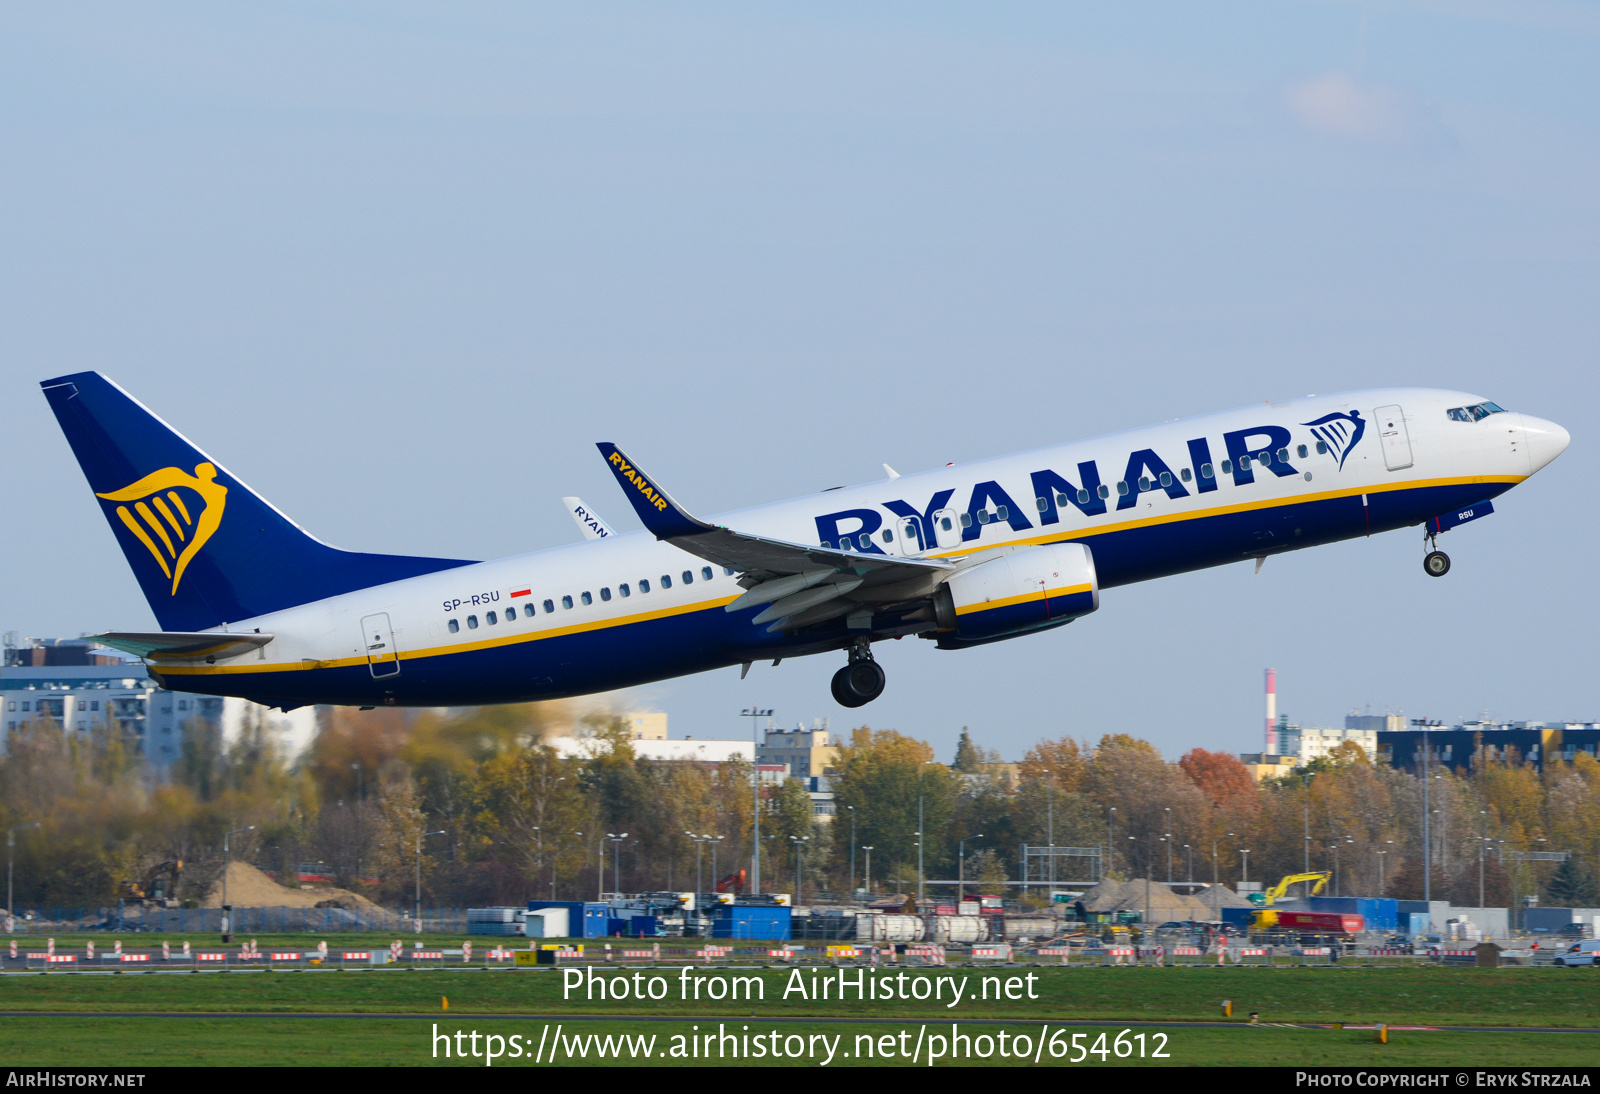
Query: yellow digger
<point x="1267" y="917"/>
<point x="158" y="886"/>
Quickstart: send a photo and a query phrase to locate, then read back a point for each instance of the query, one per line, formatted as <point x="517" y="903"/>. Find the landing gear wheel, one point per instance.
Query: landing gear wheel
<point x="1436" y="563"/>
<point x="858" y="683"/>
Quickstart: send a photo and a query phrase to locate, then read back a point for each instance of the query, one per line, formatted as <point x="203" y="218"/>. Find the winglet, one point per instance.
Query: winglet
<point x="662" y="516"/>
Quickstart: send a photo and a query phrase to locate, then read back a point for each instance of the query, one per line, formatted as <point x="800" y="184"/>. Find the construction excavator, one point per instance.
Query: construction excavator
<point x="1267" y="917"/>
<point x="158" y="886"/>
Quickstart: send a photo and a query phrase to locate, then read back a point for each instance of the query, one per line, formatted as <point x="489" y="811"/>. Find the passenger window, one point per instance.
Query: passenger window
<point x="527" y="609"/>
<point x="1104" y="490"/>
<point x="827" y="544"/>
<point x="728" y="570"/>
<point x="944" y="523"/>
<point x="983" y="516"/>
<point x="566" y="602"/>
<point x="705" y="573"/>
<point x="666" y="581"/>
<point x="1144" y="483"/>
<point x="1227" y="467"/>
<point x="587" y="598"/>
<point x="688" y="577"/>
<point x="864" y="541"/>
<point x="624" y="590"/>
<point x="1000" y="513"/>
<point x="1043" y="503"/>
<point x="1083" y="497"/>
<point x="491" y="619"/>
<point x="888" y="535"/>
<point x="605" y="592"/>
<point x="1244" y="463"/>
<point x="454" y="626"/>
<point x="1322" y="448"/>
<point x="1283" y="455"/>
<point x="644" y="584"/>
<point x="1122" y="488"/>
<point x="1166" y="478"/>
<point x="1265" y="458"/>
<point x="1302" y="451"/>
<point x="1186" y="474"/>
<point x="966" y="520"/>
<point x="550" y="606"/>
<point x="511" y="613"/>
<point x="1205" y="471"/>
<point x="472" y="622"/>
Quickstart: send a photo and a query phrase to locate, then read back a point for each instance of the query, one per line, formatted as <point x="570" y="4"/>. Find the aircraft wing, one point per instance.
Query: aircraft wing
<point x="800" y="584"/>
<point x="182" y="645"/>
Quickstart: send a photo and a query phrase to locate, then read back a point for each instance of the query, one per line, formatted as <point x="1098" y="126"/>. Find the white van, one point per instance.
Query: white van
<point x="1581" y="953"/>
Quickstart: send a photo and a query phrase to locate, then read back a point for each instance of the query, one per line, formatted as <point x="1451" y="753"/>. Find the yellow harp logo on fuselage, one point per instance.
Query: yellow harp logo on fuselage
<point x="158" y="510"/>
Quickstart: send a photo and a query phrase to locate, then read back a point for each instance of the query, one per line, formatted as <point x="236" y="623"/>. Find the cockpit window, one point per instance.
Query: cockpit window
<point x="1475" y="413"/>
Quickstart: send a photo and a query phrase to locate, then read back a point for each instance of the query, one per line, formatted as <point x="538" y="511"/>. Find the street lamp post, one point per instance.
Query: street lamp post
<point x="1483" y="839"/>
<point x="416" y="922"/>
<point x="920" y="829"/>
<point x="852" y="851"/>
<point x="1111" y="845"/>
<point x="699" y="878"/>
<point x="1168" y="839"/>
<point x="868" y="849"/>
<point x="799" y="846"/>
<point x="1244" y="853"/>
<point x="961" y="876"/>
<point x="11" y="842"/>
<point x="1190" y="852"/>
<point x="616" y="860"/>
<point x="713" y="841"/>
<point x="227" y="909"/>
<point x="754" y="713"/>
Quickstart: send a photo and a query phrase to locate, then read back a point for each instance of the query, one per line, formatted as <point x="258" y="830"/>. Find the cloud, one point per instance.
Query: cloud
<point x="1366" y="112"/>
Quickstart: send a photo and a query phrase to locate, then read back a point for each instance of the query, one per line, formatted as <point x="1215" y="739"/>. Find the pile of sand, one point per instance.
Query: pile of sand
<point x="1131" y="896"/>
<point x="250" y="888"/>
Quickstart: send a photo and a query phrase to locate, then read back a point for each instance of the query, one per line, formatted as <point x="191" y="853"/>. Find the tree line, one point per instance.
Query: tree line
<point x="499" y="817"/>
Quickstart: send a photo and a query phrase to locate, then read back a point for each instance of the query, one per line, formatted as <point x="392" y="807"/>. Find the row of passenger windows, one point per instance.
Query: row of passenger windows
<point x="1003" y="513"/>
<point x="624" y="590"/>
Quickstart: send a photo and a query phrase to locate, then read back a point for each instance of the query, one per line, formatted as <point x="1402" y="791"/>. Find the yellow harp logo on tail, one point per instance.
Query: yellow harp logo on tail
<point x="159" y="510"/>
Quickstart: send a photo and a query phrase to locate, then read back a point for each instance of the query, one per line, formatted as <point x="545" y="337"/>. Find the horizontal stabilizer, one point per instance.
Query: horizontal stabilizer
<point x="182" y="645"/>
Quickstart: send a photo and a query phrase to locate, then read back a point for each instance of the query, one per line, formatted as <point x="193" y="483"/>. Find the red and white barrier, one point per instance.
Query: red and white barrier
<point x="132" y="958"/>
<point x="652" y="954"/>
<point x="49" y="945"/>
<point x="847" y="953"/>
<point x="88" y="950"/>
<point x="1186" y="951"/>
<point x="1117" y="953"/>
<point x="1063" y="952"/>
<point x="394" y="950"/>
<point x="211" y="957"/>
<point x="712" y="953"/>
<point x="271" y="957"/>
<point x="356" y="955"/>
<point x="427" y="955"/>
<point x="935" y="954"/>
<point x="784" y="955"/>
<point x="1000" y="952"/>
<point x="13" y="949"/>
<point x="186" y="949"/>
<point x="61" y="959"/>
<point x="116" y="948"/>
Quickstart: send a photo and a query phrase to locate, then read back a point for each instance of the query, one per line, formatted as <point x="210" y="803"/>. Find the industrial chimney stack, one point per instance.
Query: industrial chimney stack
<point x="1272" y="712"/>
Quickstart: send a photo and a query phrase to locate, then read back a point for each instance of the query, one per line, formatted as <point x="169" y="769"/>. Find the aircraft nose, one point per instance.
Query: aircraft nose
<point x="1546" y="440"/>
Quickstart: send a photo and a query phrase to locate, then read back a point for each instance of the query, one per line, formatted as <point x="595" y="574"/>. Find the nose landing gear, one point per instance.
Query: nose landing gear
<point x="862" y="680"/>
<point x="1435" y="563"/>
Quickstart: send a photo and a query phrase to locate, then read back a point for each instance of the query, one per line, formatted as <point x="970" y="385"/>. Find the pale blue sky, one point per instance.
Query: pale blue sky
<point x="399" y="266"/>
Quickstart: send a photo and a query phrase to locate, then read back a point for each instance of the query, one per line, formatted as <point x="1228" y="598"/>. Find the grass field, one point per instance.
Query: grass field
<point x="193" y="1024"/>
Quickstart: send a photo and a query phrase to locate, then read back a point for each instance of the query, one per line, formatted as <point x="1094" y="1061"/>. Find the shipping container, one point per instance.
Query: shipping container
<point x="758" y="921"/>
<point x="1379" y="913"/>
<point x="1321" y="922"/>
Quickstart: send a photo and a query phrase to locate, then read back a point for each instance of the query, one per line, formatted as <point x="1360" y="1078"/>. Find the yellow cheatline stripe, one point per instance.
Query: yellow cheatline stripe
<point x="177" y="501"/>
<point x="441" y="651"/>
<point x="1063" y="533"/>
<point x="161" y="507"/>
<point x="144" y="538"/>
<point x="990" y="605"/>
<point x="155" y="525"/>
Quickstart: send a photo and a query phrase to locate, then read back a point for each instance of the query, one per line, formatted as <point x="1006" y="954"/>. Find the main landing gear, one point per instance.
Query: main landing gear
<point x="1435" y="563"/>
<point x="862" y="680"/>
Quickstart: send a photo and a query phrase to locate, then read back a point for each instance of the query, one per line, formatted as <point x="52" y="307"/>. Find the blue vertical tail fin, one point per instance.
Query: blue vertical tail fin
<point x="205" y="547"/>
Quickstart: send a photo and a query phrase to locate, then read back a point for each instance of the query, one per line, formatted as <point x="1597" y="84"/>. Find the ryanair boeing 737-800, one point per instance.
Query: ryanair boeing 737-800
<point x="251" y="605"/>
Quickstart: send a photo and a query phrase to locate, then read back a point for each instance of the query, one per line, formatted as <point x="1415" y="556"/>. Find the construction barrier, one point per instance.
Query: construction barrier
<point x="999" y="951"/>
<point x="466" y="953"/>
<point x="280" y="957"/>
<point x="709" y="953"/>
<point x="211" y="957"/>
<point x="131" y="958"/>
<point x="1063" y="952"/>
<point x="785" y="954"/>
<point x="1117" y="953"/>
<point x="427" y="955"/>
<point x="934" y="955"/>
<point x="652" y="954"/>
<point x="845" y="953"/>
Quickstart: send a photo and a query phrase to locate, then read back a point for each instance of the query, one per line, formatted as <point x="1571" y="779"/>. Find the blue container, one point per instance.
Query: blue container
<point x="755" y="921"/>
<point x="594" y="920"/>
<point x="1380" y="913"/>
<point x="574" y="912"/>
<point x="1237" y="917"/>
<point x="615" y="927"/>
<point x="644" y="926"/>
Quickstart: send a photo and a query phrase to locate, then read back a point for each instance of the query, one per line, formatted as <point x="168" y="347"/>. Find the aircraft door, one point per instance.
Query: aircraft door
<point x="908" y="536"/>
<point x="383" y="658"/>
<point x="947" y="528"/>
<point x="1394" y="439"/>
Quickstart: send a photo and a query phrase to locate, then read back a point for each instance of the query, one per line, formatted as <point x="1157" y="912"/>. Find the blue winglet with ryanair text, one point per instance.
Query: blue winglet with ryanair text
<point x="660" y="514"/>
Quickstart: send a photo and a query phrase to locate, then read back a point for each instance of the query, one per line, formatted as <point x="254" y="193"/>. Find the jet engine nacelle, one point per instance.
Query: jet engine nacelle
<point x="1026" y="590"/>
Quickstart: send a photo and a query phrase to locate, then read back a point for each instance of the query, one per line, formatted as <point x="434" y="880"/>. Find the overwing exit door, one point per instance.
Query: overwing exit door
<point x="947" y="528"/>
<point x="908" y="536"/>
<point x="378" y="638"/>
<point x="1393" y="438"/>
